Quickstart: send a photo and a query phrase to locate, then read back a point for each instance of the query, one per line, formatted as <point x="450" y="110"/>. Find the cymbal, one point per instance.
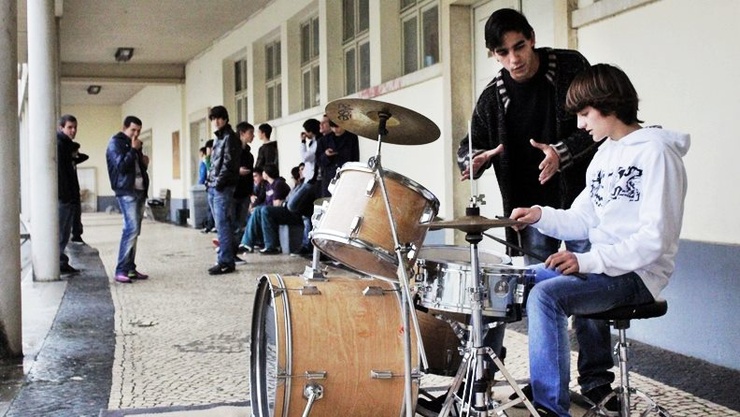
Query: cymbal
<point x="362" y="117"/>
<point x="470" y="224"/>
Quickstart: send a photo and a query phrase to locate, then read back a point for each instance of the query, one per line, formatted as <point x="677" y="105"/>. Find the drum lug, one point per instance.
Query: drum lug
<point x="370" y="189"/>
<point x="315" y="375"/>
<point x="355" y="225"/>
<point x="372" y="291"/>
<point x="310" y="290"/>
<point x="380" y="374"/>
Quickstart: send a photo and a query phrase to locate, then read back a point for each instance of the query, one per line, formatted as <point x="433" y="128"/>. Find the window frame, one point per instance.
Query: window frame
<point x="357" y="43"/>
<point x="416" y="10"/>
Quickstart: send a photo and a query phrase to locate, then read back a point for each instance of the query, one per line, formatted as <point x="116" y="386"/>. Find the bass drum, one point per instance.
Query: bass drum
<point x="343" y="336"/>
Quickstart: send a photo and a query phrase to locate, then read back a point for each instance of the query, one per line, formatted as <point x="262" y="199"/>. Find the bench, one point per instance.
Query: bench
<point x="291" y="237"/>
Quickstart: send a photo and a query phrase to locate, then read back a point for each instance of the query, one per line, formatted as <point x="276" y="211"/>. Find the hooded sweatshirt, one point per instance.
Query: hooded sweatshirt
<point x="631" y="209"/>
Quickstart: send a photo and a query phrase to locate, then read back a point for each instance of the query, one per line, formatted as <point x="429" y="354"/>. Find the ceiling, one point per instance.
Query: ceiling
<point x="165" y="35"/>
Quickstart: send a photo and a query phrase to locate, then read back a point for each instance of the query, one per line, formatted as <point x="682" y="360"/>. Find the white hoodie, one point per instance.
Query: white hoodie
<point x="631" y="209"/>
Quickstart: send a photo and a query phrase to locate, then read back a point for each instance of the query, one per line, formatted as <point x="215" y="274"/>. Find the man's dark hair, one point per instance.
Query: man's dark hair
<point x="202" y="150"/>
<point x="295" y="173"/>
<point x="271" y="170"/>
<point x="266" y="129"/>
<point x="313" y="126"/>
<point x="66" y="118"/>
<point x="209" y="143"/>
<point x="129" y="120"/>
<point x="607" y="89"/>
<point x="257" y="170"/>
<point x="244" y="127"/>
<point x="218" y="112"/>
<point x="503" y="21"/>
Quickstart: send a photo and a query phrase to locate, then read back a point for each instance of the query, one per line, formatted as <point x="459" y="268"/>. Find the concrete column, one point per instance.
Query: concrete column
<point x="42" y="140"/>
<point x="10" y="258"/>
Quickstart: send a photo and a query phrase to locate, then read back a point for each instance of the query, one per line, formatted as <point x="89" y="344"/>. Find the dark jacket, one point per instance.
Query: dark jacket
<point x="346" y="146"/>
<point x="267" y="154"/>
<point x="245" y="183"/>
<point x="227" y="149"/>
<point x="122" y="159"/>
<point x="69" y="186"/>
<point x="574" y="146"/>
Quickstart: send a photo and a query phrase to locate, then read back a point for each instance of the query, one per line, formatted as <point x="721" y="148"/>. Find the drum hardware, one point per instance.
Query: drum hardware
<point x="313" y="272"/>
<point x="312" y="392"/>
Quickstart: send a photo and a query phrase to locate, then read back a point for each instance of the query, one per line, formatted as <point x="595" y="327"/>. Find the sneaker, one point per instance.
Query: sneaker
<point x="137" y="275"/>
<point x="239" y="261"/>
<point x="527" y="390"/>
<point x="270" y="251"/>
<point x="303" y="251"/>
<point x="244" y="249"/>
<point x="596" y="395"/>
<point x="215" y="242"/>
<point x="205" y="230"/>
<point x="68" y="269"/>
<point x="220" y="269"/>
<point x="77" y="240"/>
<point x="123" y="278"/>
<point x="544" y="411"/>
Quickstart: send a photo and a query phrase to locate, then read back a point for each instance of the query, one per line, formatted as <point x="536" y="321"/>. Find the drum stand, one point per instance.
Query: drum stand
<point x="401" y="252"/>
<point x="476" y="398"/>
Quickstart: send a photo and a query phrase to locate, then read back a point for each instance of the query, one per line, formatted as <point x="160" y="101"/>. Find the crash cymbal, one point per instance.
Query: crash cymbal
<point x="362" y="117"/>
<point x="470" y="224"/>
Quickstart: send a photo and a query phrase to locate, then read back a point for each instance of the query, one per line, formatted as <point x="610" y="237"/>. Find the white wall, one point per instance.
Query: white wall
<point x="160" y="109"/>
<point x="683" y="58"/>
<point x="95" y="126"/>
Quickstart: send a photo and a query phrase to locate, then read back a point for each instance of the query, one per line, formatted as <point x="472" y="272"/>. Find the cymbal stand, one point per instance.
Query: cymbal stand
<point x="401" y="252"/>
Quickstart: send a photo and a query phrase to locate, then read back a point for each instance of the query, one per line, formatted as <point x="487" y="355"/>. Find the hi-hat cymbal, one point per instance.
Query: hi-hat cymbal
<point x="470" y="224"/>
<point x="362" y="117"/>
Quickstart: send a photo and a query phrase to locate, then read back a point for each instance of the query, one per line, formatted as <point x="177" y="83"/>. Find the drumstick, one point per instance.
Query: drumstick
<point x="524" y="251"/>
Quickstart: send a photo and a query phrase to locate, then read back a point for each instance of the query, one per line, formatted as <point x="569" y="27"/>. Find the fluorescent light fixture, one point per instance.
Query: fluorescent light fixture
<point x="124" y="54"/>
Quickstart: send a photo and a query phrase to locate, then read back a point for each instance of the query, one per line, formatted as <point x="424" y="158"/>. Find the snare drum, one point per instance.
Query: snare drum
<point x="343" y="335"/>
<point x="444" y="279"/>
<point x="355" y="229"/>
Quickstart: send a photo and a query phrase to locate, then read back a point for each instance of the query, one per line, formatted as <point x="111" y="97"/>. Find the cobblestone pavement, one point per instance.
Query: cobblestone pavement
<point x="182" y="337"/>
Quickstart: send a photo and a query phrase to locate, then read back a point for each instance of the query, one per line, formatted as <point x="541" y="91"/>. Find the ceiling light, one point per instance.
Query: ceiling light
<point x="93" y="90"/>
<point x="124" y="54"/>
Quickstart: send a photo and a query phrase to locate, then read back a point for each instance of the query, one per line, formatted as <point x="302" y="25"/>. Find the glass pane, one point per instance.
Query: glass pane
<point x="365" y="65"/>
<point x="348" y="20"/>
<point x="316" y="73"/>
<point x="305" y="43"/>
<point x="239" y="109"/>
<point x="270" y="102"/>
<point x="278" y="100"/>
<point x="364" y="16"/>
<point x="269" y="74"/>
<point x="278" y="60"/>
<point x="350" y="80"/>
<point x="430" y="32"/>
<point x="315" y="38"/>
<point x="237" y="76"/>
<point x="407" y="3"/>
<point x="410" y="47"/>
<point x="307" y="98"/>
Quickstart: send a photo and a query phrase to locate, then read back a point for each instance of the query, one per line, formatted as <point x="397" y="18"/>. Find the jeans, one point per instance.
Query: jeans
<point x="553" y="298"/>
<point x="132" y="208"/>
<point x="593" y="370"/>
<point x="253" y="231"/>
<point x="223" y="211"/>
<point x="271" y="220"/>
<point x="66" y="218"/>
<point x="77" y="223"/>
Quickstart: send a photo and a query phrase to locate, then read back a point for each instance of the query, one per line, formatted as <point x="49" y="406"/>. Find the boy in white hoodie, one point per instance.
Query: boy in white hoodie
<point x="631" y="211"/>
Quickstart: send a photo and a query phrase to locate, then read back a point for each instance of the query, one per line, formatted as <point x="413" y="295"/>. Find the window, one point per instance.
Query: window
<point x="356" y="44"/>
<point x="273" y="83"/>
<point x="240" y="89"/>
<point x="310" y="62"/>
<point x="420" y="31"/>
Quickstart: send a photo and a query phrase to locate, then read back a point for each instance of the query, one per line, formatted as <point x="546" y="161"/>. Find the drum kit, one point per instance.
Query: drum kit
<point x="351" y="345"/>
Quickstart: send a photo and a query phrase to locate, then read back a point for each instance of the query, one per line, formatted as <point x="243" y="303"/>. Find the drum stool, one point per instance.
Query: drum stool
<point x="620" y="318"/>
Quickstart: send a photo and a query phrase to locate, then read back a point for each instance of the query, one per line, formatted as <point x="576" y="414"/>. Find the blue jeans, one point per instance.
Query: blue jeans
<point x="253" y="231"/>
<point x="553" y="298"/>
<point x="132" y="208"/>
<point x="66" y="219"/>
<point x="271" y="220"/>
<point x="223" y="211"/>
